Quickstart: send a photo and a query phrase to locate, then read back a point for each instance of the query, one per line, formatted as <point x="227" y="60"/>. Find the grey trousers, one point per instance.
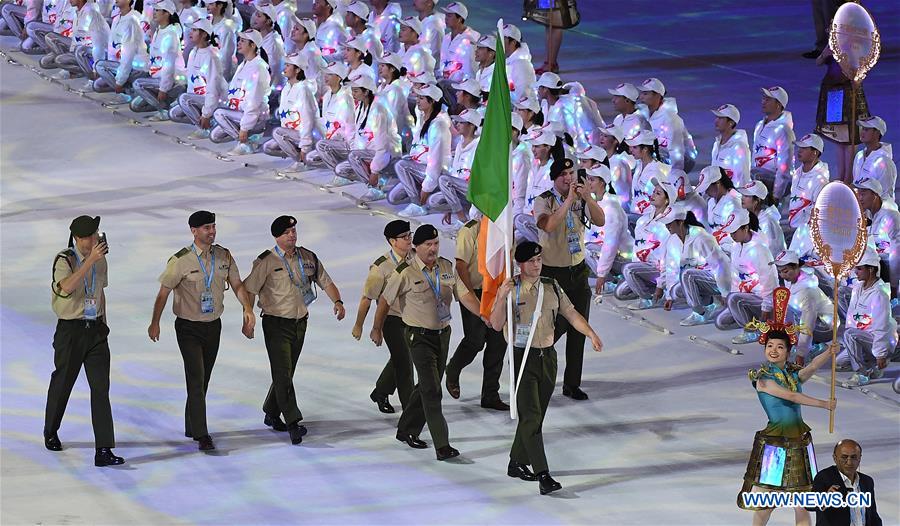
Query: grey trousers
<point x="228" y="125"/>
<point x="526" y="228"/>
<point x="148" y="89"/>
<point x="84" y="57"/>
<point x="37" y="31"/>
<point x="698" y="287"/>
<point x="333" y="151"/>
<point x="106" y="70"/>
<point x="455" y="191"/>
<point x="411" y="175"/>
<point x="742" y="308"/>
<point x="593" y="252"/>
<point x="188" y="110"/>
<point x="641" y="278"/>
<point x="14" y="15"/>
<point x="359" y="160"/>
<point x="285" y="142"/>
<point x="858" y="344"/>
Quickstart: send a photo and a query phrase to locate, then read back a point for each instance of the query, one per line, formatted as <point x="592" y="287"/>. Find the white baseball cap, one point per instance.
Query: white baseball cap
<point x="487" y="41"/>
<point x="332" y="3"/>
<point x="269" y="10"/>
<point x="393" y="59"/>
<point x="338" y="68"/>
<point x="166" y="5"/>
<point x="431" y="91"/>
<point x="755" y="188"/>
<point x="870" y="258"/>
<point x="253" y="36"/>
<point x="613" y="130"/>
<point x="874" y="122"/>
<point x="869" y="184"/>
<point x="425" y="76"/>
<point x="786" y="257"/>
<point x="359" y="9"/>
<point x="736" y="220"/>
<point x="601" y="171"/>
<point x="643" y="137"/>
<point x="674" y="212"/>
<point x="517" y="121"/>
<point x="309" y="25"/>
<point x="203" y="24"/>
<point x="811" y="140"/>
<point x="470" y="86"/>
<point x="363" y="81"/>
<point x="548" y="79"/>
<point x="708" y="176"/>
<point x="778" y="93"/>
<point x="669" y="188"/>
<point x="512" y="32"/>
<point x="470" y="116"/>
<point x="413" y="23"/>
<point x="358" y="44"/>
<point x="627" y="90"/>
<point x="528" y="103"/>
<point x="296" y="59"/>
<point x="728" y="111"/>
<point x="653" y="84"/>
<point x="595" y="153"/>
<point x="543" y="136"/>
<point x="457" y="8"/>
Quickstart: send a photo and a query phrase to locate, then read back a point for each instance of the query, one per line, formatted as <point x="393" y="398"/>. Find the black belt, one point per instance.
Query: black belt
<point x="428" y="332"/>
<point x="295" y="320"/>
<point x="569" y="268"/>
<point x="539" y="349"/>
<point x="89" y="324"/>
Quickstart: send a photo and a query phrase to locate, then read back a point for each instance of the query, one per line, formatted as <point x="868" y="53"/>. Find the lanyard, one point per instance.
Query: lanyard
<point x="287" y="266"/>
<point x="435" y="288"/>
<point x="570" y="222"/>
<point x="88" y="291"/>
<point x="393" y="257"/>
<point x="208" y="276"/>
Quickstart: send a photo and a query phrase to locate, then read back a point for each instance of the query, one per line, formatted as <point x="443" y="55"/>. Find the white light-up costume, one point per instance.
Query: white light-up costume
<point x="574" y="113"/>
<point x="751" y="269"/>
<point x="433" y="29"/>
<point x="804" y="190"/>
<point x="733" y="157"/>
<point x="226" y="34"/>
<point x="773" y="150"/>
<point x="698" y="251"/>
<point x="331" y="35"/>
<point x="457" y="60"/>
<point x="520" y="74"/>
<point x="642" y="188"/>
<point x="675" y="142"/>
<point x="611" y="240"/>
<point x="387" y="25"/>
<point x="878" y="165"/>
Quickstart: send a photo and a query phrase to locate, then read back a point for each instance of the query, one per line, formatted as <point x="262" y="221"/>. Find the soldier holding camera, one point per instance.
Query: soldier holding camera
<point x="562" y="214"/>
<point x="79" y="277"/>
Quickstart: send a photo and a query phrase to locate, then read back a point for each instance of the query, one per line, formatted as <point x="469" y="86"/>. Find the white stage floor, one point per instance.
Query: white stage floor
<point x="664" y="439"/>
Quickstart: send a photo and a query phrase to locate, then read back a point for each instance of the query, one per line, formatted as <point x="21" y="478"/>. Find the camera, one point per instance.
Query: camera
<point x="103" y="240"/>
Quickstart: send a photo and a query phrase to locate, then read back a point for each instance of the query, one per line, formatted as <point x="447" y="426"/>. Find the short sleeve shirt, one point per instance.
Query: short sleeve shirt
<point x="185" y="277"/>
<point x="379" y="273"/>
<point x="556" y="243"/>
<point x="71" y="306"/>
<point x="415" y="296"/>
<point x="525" y="301"/>
<point x="467" y="251"/>
<point x="279" y="294"/>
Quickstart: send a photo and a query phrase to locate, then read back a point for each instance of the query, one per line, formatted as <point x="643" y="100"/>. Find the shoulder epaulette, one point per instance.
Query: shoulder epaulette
<point x="181" y="252"/>
<point x="549" y="281"/>
<point x="402" y="266"/>
<point x="471" y="223"/>
<point x="547" y="195"/>
<point x="264" y="254"/>
<point x="380" y="260"/>
<point x="442" y="258"/>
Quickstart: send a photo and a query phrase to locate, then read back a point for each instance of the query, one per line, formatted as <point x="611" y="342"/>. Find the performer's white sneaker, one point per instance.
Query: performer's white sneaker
<point x="693" y="319"/>
<point x="745" y="337"/>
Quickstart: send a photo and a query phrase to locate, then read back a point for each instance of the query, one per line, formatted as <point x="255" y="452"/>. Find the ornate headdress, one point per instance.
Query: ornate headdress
<point x="780" y="298"/>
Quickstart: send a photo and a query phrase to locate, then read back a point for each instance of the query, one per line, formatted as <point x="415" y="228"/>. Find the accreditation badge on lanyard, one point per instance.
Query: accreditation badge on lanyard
<point x="90" y="301"/>
<point x="207" y="305"/>
<point x="524" y="332"/>
<point x="304" y="286"/>
<point x="573" y="237"/>
<point x="443" y="309"/>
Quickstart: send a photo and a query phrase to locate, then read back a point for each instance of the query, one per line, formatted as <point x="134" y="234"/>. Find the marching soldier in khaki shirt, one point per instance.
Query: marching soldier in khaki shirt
<point x="397" y="373"/>
<point x="79" y="277"/>
<point x="476" y="335"/>
<point x="424" y="290"/>
<point x="198" y="274"/>
<point x="539" y="376"/>
<point x="283" y="278"/>
<point x="562" y="213"/>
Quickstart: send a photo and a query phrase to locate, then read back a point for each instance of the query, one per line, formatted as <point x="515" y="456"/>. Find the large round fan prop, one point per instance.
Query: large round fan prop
<point x="838" y="228"/>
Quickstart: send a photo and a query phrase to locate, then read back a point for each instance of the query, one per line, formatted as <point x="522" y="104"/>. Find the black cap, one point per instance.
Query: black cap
<point x="281" y="224"/>
<point x="425" y="233"/>
<point x="83" y="226"/>
<point x="559" y="166"/>
<point x="527" y="250"/>
<point x="200" y="218"/>
<point x="395" y="228"/>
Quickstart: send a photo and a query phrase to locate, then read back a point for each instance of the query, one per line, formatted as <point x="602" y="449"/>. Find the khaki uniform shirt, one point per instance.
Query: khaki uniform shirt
<point x="71" y="306"/>
<point x="555" y="302"/>
<point x="379" y="273"/>
<point x="467" y="251"/>
<point x="417" y="302"/>
<point x="184" y="276"/>
<point x="278" y="293"/>
<point x="556" y="243"/>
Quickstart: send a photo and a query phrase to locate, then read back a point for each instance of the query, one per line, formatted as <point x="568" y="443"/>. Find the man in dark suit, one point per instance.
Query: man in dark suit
<point x="845" y="478"/>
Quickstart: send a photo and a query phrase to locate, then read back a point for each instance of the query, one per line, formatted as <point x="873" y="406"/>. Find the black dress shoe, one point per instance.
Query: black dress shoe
<point x="275" y="423"/>
<point x="520" y="471"/>
<point x="446" y="452"/>
<point x="105" y="457"/>
<point x="547" y="484"/>
<point x="497" y="404"/>
<point x="812" y="54"/>
<point x="412" y="441"/>
<point x="382" y="402"/>
<point x="574" y="393"/>
<point x="205" y="443"/>
<point x="51" y="442"/>
<point x="297" y="432"/>
<point x="453" y="388"/>
<point x="188" y="434"/>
